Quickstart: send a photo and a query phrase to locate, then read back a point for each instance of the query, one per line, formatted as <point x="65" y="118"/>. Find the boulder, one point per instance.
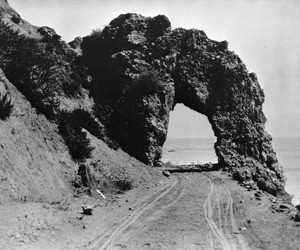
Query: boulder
<point x="75" y="44"/>
<point x="87" y="210"/>
<point x="83" y="173"/>
<point x="166" y="173"/>
<point x="16" y="18"/>
<point x="258" y="194"/>
<point x="297" y="217"/>
<point x="287" y="206"/>
<point x="48" y="33"/>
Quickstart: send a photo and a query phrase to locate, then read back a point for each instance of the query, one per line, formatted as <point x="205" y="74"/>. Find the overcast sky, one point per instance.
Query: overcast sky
<point x="265" y="34"/>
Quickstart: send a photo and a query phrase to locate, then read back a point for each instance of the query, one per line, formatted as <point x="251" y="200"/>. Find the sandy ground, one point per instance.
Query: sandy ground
<point x="184" y="211"/>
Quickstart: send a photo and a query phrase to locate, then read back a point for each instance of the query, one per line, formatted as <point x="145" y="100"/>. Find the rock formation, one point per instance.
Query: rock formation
<point x="130" y="76"/>
<point x="141" y="69"/>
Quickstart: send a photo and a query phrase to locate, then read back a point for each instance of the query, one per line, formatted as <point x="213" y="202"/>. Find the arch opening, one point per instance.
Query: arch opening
<point x="190" y="138"/>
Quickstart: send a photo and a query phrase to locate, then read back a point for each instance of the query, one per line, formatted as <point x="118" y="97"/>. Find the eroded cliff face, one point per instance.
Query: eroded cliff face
<point x="142" y="69"/>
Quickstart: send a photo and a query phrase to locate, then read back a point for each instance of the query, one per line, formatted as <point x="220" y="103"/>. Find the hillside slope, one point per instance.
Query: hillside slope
<point x="34" y="160"/>
<point x="46" y="84"/>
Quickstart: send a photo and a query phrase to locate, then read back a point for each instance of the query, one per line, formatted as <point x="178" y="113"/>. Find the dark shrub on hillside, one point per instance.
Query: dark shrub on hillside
<point x="82" y="119"/>
<point x="16" y="18"/>
<point x="79" y="145"/>
<point x="43" y="70"/>
<point x="77" y="142"/>
<point x="71" y="88"/>
<point x="93" y="53"/>
<point x="123" y="185"/>
<point x="29" y="68"/>
<point x="6" y="106"/>
<point x="96" y="52"/>
<point x="147" y="83"/>
<point x="70" y="127"/>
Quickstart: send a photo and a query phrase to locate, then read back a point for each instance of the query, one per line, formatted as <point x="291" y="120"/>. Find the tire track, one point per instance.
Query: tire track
<point x="240" y="239"/>
<point x="217" y="203"/>
<point x="227" y="217"/>
<point x="218" y="233"/>
<point x="160" y="206"/>
<point x="142" y="206"/>
<point x="226" y="232"/>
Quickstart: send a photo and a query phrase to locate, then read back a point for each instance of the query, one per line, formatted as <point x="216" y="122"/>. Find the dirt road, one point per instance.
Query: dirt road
<point x="184" y="211"/>
<point x="185" y="214"/>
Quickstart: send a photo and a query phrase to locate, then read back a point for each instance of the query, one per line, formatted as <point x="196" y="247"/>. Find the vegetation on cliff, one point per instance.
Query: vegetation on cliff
<point x="44" y="71"/>
<point x="6" y="106"/>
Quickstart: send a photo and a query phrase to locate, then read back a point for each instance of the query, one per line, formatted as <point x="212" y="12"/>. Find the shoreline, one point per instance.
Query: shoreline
<point x="201" y="150"/>
<point x="291" y="184"/>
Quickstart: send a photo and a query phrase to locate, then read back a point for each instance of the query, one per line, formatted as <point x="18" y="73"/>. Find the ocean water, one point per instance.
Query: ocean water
<point x="200" y="150"/>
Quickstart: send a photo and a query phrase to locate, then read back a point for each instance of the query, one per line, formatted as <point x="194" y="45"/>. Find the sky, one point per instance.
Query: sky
<point x="264" y="33"/>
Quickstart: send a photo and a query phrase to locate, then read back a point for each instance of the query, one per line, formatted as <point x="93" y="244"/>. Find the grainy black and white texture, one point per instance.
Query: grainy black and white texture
<point x="142" y="69"/>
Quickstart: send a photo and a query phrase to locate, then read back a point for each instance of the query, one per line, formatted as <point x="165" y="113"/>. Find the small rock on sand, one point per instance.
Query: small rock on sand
<point x="87" y="210"/>
<point x="258" y="194"/>
<point x="166" y="173"/>
<point x="297" y="217"/>
<point x="286" y="206"/>
<point x="243" y="228"/>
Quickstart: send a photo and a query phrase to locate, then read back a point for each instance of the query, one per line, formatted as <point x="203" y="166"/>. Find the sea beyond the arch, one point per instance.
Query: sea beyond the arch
<point x="200" y="150"/>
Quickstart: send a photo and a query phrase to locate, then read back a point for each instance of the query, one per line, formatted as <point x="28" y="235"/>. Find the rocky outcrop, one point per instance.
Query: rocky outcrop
<point x="142" y="69"/>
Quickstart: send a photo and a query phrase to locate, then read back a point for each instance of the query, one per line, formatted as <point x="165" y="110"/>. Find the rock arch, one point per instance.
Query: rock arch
<point x="142" y="69"/>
